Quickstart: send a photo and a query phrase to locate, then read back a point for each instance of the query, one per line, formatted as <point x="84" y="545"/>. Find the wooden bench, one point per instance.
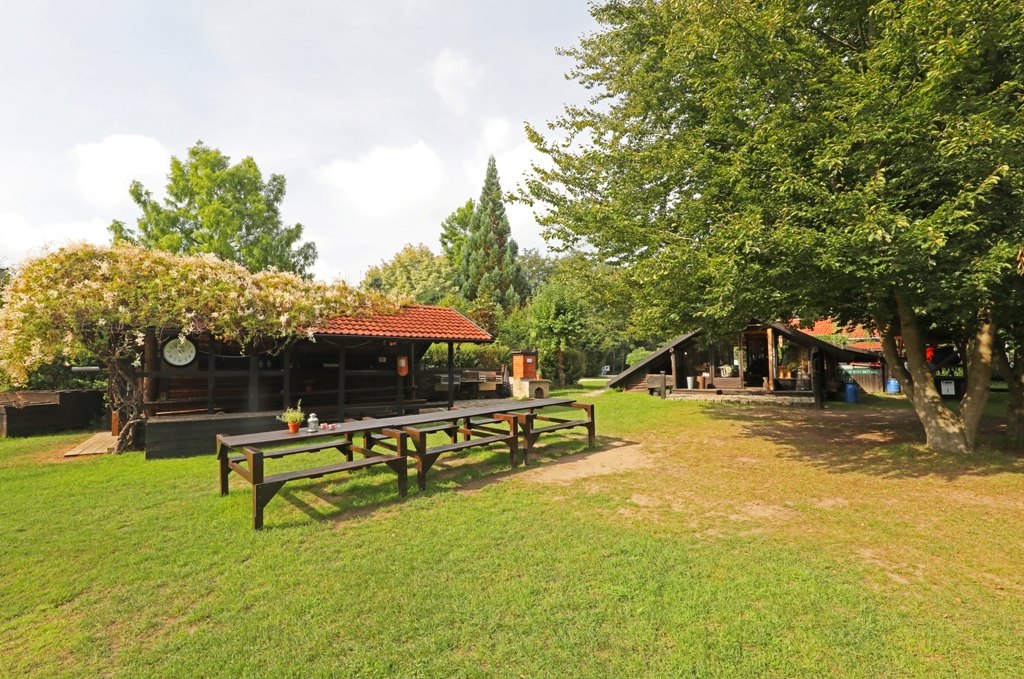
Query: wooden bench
<point x="480" y="426"/>
<point x="427" y="456"/>
<point x="530" y="432"/>
<point x="266" y="487"/>
<point x="231" y="462"/>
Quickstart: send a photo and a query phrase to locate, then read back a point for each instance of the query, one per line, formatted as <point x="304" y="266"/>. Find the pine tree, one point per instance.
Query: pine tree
<point x="489" y="266"/>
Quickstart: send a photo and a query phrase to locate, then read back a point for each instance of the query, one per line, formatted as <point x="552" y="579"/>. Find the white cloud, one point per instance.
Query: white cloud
<point x="385" y="180"/>
<point x="106" y="169"/>
<point x="22" y="238"/>
<point x="455" y="76"/>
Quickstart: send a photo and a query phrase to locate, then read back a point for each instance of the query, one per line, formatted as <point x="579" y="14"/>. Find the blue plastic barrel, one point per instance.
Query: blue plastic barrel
<point x="850" y="392"/>
<point x="892" y="386"/>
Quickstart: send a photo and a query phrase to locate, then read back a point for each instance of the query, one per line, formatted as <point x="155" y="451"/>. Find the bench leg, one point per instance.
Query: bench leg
<point x="423" y="465"/>
<point x="261" y="495"/>
<point x="224" y="471"/>
<point x="401" y="467"/>
<point x="531" y="440"/>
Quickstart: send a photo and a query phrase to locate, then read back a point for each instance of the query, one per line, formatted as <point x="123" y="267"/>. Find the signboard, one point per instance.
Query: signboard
<point x="947" y="387"/>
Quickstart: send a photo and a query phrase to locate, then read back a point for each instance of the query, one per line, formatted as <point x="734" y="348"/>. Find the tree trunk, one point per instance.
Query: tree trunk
<point x="978" y="379"/>
<point x="1015" y="406"/>
<point x="561" y="367"/>
<point x="125" y="391"/>
<point x="945" y="431"/>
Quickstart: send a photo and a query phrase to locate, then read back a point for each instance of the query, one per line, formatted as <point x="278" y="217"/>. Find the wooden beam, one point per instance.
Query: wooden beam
<point x="400" y="384"/>
<point x="254" y="383"/>
<point x="742" y="359"/>
<point x="211" y="372"/>
<point x="771" y="358"/>
<point x="286" y="378"/>
<point x="341" y="382"/>
<point x="151" y="361"/>
<point x="451" y="375"/>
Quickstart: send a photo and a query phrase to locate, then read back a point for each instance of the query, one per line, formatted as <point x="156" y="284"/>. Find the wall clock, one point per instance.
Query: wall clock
<point x="179" y="352"/>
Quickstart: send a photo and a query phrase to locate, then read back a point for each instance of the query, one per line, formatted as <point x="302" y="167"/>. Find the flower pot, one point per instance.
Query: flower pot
<point x="293" y="427"/>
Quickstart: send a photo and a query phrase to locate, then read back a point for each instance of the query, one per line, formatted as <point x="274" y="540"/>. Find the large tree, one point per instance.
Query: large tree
<point x="455" y="231"/>
<point x="222" y="209"/>
<point x="556" y="325"/>
<point x="490" y="268"/>
<point x="414" y="273"/>
<point x="858" y="158"/>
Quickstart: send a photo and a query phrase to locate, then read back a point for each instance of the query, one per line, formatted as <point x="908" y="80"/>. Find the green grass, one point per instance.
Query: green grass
<point x="725" y="551"/>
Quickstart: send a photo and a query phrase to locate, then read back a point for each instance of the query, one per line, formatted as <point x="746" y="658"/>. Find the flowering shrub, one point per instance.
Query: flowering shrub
<point x="87" y="299"/>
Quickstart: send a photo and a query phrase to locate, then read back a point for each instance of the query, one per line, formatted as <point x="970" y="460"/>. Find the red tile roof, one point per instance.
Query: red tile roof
<point x="866" y="340"/>
<point x="829" y="327"/>
<point x="411" y="322"/>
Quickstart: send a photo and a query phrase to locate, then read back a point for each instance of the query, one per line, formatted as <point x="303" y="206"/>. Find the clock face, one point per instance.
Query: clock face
<point x="179" y="352"/>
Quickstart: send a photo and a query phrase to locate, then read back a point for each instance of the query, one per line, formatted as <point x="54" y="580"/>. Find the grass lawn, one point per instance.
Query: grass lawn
<point x="698" y="540"/>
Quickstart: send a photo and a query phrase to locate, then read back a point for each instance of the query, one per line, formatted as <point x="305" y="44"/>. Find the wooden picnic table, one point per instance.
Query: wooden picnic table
<point x="393" y="434"/>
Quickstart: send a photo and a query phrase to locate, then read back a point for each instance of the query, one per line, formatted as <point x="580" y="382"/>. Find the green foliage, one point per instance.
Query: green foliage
<point x="454" y="232"/>
<point x="757" y="162"/>
<point x="574" y="365"/>
<point x="57" y="375"/>
<point x="557" y="323"/>
<point x="486" y="312"/>
<point x="515" y="328"/>
<point x="292" y="415"/>
<point x="760" y="160"/>
<point x="637" y="355"/>
<point x="413" y="273"/>
<point x="489" y="268"/>
<point x="467" y="356"/>
<point x="537" y="270"/>
<point x="221" y="209"/>
<point x="5" y="279"/>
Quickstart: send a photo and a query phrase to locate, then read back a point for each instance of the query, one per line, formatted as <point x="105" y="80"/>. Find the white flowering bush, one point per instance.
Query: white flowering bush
<point x="99" y="300"/>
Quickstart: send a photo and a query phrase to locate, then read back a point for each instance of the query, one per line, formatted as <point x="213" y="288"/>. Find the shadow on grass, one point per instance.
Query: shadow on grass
<point x="363" y="493"/>
<point x="884" y="441"/>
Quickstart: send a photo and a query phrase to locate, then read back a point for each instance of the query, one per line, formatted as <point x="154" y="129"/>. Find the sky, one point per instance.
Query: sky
<point x="380" y="115"/>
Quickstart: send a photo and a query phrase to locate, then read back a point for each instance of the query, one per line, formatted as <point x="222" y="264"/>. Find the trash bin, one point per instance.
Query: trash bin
<point x="691" y="382"/>
<point x="850" y="392"/>
<point x="892" y="386"/>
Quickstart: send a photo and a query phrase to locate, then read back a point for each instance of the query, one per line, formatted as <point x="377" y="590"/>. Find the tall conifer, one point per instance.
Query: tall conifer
<point x="489" y="267"/>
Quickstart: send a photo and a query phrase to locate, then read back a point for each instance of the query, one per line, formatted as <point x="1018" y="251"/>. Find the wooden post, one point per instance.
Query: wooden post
<point x="152" y="364"/>
<point x="286" y="377"/>
<point x="816" y="381"/>
<point x="399" y="405"/>
<point x="663" y="384"/>
<point x="674" y="361"/>
<point x="254" y="383"/>
<point x="211" y="371"/>
<point x="341" y="383"/>
<point x="771" y="358"/>
<point x="742" y="359"/>
<point x="451" y="375"/>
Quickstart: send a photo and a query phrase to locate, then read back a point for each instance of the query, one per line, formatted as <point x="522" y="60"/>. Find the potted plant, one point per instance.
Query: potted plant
<point x="293" y="417"/>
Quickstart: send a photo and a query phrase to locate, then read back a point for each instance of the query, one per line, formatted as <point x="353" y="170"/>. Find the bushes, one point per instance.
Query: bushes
<point x="482" y="356"/>
<point x="637" y="355"/>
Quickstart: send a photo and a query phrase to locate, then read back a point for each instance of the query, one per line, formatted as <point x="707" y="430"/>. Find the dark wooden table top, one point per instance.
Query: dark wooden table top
<point x="397" y="422"/>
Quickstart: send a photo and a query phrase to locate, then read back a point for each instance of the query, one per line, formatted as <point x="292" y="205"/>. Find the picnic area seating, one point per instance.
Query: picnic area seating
<point x="401" y="437"/>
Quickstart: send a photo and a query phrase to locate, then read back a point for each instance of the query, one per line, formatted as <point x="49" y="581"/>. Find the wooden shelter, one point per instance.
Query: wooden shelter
<point x="353" y="366"/>
<point x="764" y="358"/>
